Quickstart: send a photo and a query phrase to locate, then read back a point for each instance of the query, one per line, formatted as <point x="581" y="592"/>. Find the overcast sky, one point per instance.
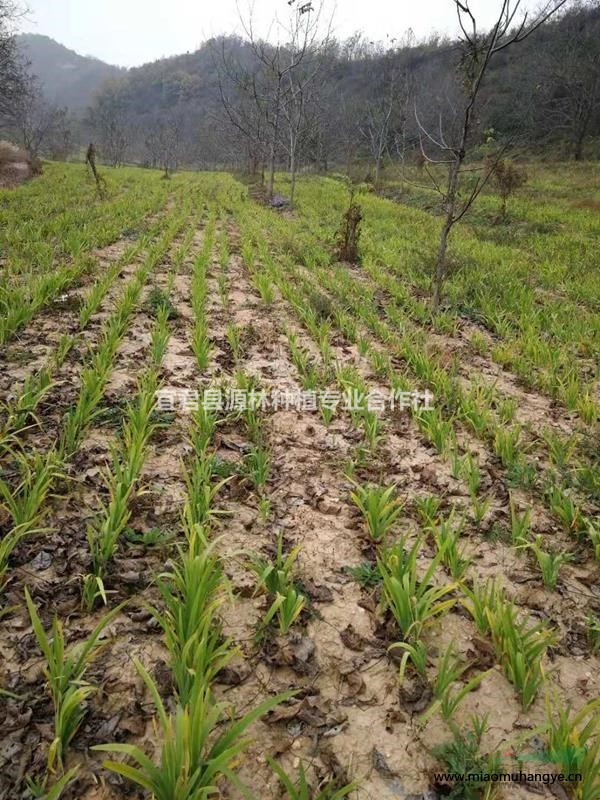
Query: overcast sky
<point x="131" y="32"/>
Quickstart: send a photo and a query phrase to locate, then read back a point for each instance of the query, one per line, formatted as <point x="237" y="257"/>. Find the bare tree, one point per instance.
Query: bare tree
<point x="240" y="83"/>
<point x="12" y="68"/>
<point x="570" y="77"/>
<point x="376" y="125"/>
<point x="477" y="50"/>
<point x="60" y="143"/>
<point x="281" y="61"/>
<point x="109" y="119"/>
<point x="300" y="82"/>
<point x="34" y="120"/>
<point x="163" y="142"/>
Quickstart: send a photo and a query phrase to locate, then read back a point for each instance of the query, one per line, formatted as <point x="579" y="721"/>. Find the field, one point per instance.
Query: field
<point x="216" y="572"/>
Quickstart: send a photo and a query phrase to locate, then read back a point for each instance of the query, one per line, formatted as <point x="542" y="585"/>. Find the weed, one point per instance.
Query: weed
<point x="64" y="672"/>
<point x="520" y="647"/>
<point x="379" y="506"/>
<point x="520" y="524"/>
<point x="199" y="744"/>
<point x="149" y="537"/>
<point x="447" y="537"/>
<point x="300" y="789"/>
<point x="428" y="510"/>
<point x="521" y="474"/>
<point x="549" y="563"/>
<point x="462" y="755"/>
<point x="366" y="574"/>
<point x="412" y="599"/>
<point x="160" y="305"/>
<point x="574" y="744"/>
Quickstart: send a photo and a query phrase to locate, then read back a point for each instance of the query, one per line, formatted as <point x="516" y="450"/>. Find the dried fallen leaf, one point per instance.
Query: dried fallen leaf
<point x="352" y="639"/>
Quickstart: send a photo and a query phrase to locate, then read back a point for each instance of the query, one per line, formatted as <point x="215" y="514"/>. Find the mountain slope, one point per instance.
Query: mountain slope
<point x="67" y="78"/>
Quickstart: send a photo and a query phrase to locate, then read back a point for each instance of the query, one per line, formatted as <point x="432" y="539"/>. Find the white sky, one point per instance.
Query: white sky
<point x="132" y="32"/>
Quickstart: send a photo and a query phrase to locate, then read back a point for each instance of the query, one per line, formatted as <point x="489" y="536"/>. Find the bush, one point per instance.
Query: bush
<point x="507" y="177"/>
<point x="349" y="234"/>
<point x="16" y="165"/>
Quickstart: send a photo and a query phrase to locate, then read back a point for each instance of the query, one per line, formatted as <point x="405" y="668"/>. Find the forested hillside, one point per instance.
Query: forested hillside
<point x="351" y="102"/>
<point x="214" y="106"/>
<point x="67" y="78"/>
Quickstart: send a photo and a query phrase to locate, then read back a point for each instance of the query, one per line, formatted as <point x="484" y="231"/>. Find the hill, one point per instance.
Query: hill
<point x="68" y="79"/>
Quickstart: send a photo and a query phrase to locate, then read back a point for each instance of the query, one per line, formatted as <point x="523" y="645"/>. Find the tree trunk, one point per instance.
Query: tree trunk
<point x="582" y="132"/>
<point x="273" y="149"/>
<point x="578" y="150"/>
<point x="441" y="267"/>
<point x="292" y="169"/>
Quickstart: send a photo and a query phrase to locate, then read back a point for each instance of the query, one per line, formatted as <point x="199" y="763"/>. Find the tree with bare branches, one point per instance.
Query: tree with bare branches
<point x="34" y="121"/>
<point x="240" y="81"/>
<point x="163" y="142"/>
<point x="12" y="67"/>
<point x="375" y="128"/>
<point x="281" y="90"/>
<point x="450" y="148"/>
<point x="568" y="78"/>
<point x="110" y="121"/>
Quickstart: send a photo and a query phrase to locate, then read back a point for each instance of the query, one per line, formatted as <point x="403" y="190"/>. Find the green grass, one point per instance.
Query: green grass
<point x="524" y="293"/>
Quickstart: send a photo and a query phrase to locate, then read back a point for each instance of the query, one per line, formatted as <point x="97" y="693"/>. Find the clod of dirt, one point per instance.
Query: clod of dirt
<point x="417" y="696"/>
<point x="394" y="717"/>
<point x="352" y="639"/>
<point x="335" y="770"/>
<point x="354" y="684"/>
<point x="294" y="650"/>
<point x="312" y="711"/>
<point x="318" y="593"/>
<point x="429" y="794"/>
<point x="42" y="561"/>
<point x="483" y="655"/>
<point x="381" y="765"/>
<point x="233" y="675"/>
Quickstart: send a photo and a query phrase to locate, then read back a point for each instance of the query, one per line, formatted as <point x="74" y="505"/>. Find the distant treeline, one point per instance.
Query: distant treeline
<point x="345" y="103"/>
